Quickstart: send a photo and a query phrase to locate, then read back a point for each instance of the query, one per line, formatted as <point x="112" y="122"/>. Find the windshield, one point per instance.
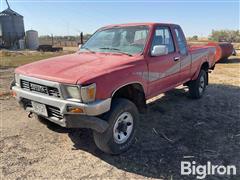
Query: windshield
<point x="127" y="40"/>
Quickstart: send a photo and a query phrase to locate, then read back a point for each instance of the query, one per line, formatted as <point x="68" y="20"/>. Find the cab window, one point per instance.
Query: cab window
<point x="162" y="36"/>
<point x="181" y="41"/>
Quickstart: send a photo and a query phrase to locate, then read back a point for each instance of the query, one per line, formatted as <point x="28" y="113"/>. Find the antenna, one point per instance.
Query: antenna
<point x="8" y="4"/>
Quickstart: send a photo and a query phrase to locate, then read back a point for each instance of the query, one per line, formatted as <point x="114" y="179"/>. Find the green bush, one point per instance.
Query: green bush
<point x="225" y="35"/>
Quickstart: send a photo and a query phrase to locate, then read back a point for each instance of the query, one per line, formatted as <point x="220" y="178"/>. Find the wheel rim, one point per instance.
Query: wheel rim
<point x="201" y="84"/>
<point x="123" y="128"/>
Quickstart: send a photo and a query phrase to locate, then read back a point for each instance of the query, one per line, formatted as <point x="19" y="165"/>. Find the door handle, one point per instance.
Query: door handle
<point x="176" y="58"/>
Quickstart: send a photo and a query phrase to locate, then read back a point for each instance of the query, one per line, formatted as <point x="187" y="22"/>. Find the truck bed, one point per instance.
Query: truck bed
<point x="203" y="52"/>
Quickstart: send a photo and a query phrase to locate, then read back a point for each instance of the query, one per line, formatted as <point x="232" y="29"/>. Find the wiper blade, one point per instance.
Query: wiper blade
<point x="109" y="48"/>
<point x="116" y="49"/>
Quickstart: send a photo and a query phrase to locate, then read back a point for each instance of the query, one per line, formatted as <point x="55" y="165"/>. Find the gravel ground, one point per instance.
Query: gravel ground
<point x="174" y="127"/>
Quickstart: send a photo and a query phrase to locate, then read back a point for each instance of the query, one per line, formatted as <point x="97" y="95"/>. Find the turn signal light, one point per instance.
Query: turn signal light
<point x="91" y="92"/>
<point x="75" y="110"/>
<point x="88" y="93"/>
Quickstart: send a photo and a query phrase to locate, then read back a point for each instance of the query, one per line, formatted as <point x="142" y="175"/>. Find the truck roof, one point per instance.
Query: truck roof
<point x="139" y="24"/>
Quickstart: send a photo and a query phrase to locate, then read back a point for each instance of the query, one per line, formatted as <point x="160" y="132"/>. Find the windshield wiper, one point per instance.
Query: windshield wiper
<point x="116" y="49"/>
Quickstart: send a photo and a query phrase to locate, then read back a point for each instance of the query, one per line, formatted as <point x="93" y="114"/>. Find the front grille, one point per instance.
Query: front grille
<point x="53" y="92"/>
<point x="43" y="89"/>
<point x="25" y="85"/>
<point x="54" y="112"/>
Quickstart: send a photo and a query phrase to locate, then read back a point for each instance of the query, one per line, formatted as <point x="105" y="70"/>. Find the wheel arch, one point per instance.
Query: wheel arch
<point x="204" y="66"/>
<point x="133" y="91"/>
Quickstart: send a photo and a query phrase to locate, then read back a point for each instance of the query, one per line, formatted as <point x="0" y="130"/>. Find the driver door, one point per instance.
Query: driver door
<point x="164" y="70"/>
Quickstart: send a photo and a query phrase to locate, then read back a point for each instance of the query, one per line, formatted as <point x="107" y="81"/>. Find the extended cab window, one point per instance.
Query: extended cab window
<point x="181" y="41"/>
<point x="162" y="36"/>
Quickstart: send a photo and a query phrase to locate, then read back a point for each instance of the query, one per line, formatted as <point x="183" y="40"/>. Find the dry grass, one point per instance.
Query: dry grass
<point x="17" y="58"/>
<point x="73" y="49"/>
<point x="227" y="73"/>
<point x="236" y="45"/>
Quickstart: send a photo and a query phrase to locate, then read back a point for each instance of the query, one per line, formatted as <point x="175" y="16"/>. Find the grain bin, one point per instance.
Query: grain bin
<point x="12" y="28"/>
<point x="32" y="41"/>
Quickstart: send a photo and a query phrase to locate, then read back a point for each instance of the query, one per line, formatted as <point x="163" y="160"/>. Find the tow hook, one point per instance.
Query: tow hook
<point x="30" y="115"/>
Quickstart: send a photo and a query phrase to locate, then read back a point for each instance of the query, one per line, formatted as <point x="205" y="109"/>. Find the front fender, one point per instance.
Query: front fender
<point x="114" y="79"/>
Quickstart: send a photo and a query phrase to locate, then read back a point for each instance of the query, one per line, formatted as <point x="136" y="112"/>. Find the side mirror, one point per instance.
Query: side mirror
<point x="159" y="50"/>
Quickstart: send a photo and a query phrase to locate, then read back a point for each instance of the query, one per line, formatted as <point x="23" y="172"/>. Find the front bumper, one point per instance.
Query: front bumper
<point x="71" y="120"/>
<point x="81" y="121"/>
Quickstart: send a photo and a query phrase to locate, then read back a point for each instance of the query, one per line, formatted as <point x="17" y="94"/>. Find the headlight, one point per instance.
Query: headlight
<point x="71" y="92"/>
<point x="76" y="93"/>
<point x="17" y="79"/>
<point x="88" y="93"/>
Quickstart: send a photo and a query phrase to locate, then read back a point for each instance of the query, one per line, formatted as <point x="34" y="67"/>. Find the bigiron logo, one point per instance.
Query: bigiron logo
<point x="201" y="171"/>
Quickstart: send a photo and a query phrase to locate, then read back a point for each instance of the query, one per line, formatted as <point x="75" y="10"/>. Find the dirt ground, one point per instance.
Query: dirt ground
<point x="175" y="128"/>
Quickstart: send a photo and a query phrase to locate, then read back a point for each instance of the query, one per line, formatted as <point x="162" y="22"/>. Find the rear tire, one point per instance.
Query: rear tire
<point x="198" y="86"/>
<point x="120" y="135"/>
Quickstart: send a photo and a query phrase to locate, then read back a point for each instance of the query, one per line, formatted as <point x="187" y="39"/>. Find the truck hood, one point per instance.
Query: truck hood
<point x="74" y="68"/>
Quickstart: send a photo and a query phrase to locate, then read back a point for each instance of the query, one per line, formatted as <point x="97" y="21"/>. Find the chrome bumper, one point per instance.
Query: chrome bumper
<point x="91" y="109"/>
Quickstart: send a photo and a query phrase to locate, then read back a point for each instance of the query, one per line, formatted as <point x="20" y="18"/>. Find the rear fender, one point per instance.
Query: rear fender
<point x="198" y="70"/>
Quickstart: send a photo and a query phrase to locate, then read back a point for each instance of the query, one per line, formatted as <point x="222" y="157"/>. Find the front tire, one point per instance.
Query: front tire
<point x="198" y="86"/>
<point x="119" y="136"/>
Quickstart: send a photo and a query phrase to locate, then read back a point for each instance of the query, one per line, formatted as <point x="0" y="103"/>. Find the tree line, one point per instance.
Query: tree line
<point x="221" y="36"/>
<point x="63" y="38"/>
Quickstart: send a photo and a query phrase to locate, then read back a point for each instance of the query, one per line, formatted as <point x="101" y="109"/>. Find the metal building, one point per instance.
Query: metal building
<point x="11" y="28"/>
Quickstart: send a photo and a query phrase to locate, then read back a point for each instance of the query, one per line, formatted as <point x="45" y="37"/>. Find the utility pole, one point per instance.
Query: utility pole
<point x="52" y="39"/>
<point x="81" y="37"/>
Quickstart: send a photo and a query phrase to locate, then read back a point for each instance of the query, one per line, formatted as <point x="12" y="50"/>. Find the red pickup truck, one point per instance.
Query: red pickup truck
<point x="106" y="83"/>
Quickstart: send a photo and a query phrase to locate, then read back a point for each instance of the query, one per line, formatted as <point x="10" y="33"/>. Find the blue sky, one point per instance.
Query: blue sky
<point x="62" y="17"/>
